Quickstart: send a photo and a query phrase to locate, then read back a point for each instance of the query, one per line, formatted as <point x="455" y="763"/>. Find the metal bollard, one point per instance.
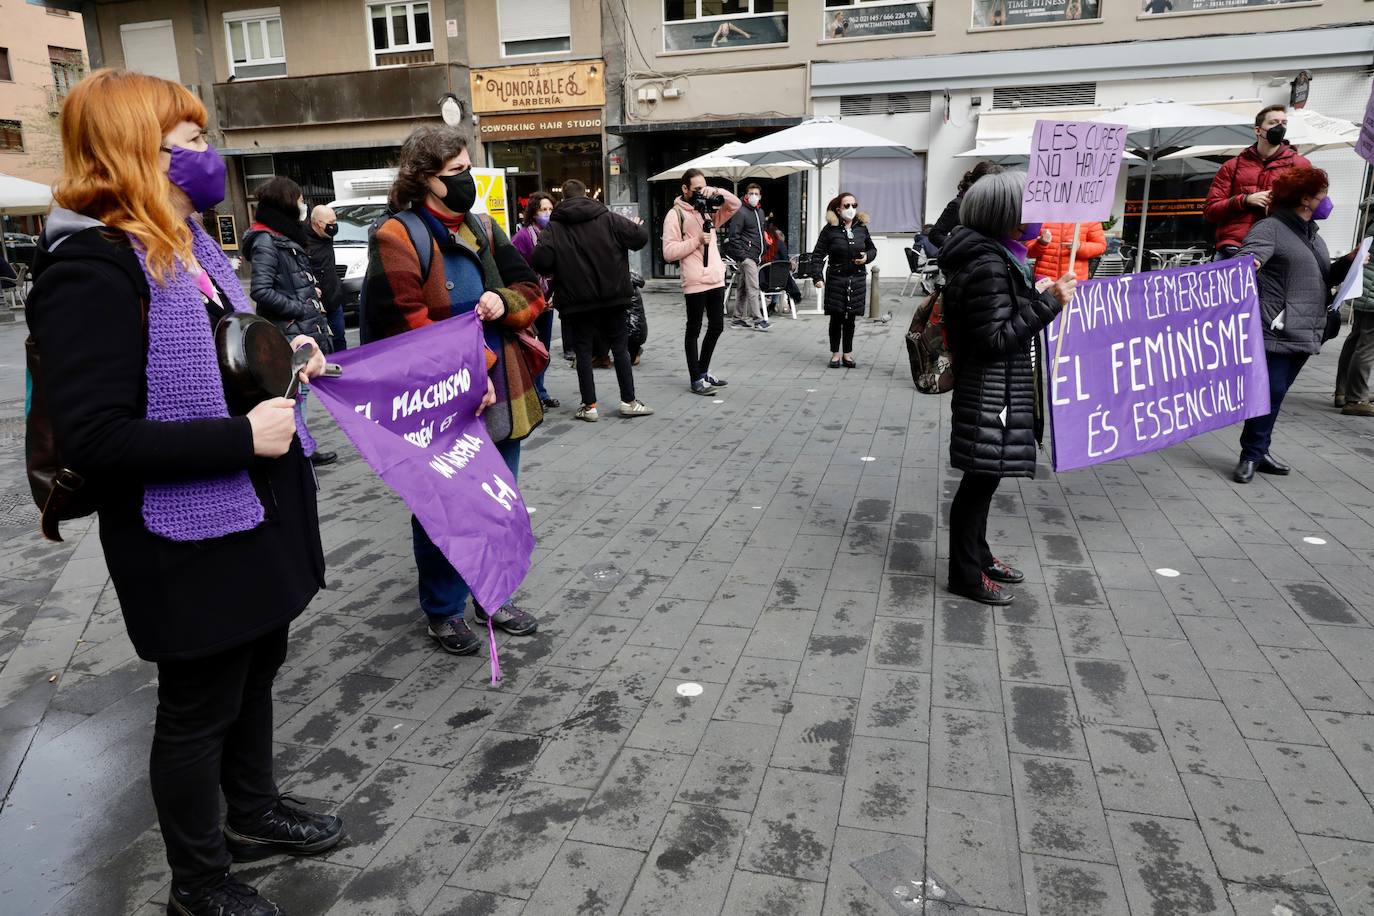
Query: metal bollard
<point x="875" y="295"/>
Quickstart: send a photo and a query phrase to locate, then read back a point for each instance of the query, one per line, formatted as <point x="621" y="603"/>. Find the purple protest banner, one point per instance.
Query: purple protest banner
<point x="1364" y="147"/>
<point x="409" y="404"/>
<point x="1072" y="173"/>
<point x="1153" y="359"/>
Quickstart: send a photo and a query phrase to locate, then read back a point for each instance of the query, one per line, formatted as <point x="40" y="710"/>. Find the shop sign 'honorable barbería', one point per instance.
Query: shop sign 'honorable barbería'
<point x="580" y="84"/>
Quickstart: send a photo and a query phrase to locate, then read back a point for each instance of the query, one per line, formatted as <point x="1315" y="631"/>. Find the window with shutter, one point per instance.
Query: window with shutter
<point x="256" y="46"/>
<point x="12" y="136"/>
<point x="534" y="27"/>
<point x="5" y="76"/>
<point x="400" y="33"/>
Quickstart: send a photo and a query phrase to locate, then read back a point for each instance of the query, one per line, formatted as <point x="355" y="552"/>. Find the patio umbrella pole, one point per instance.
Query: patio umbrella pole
<point x="820" y="221"/>
<point x="1145" y="202"/>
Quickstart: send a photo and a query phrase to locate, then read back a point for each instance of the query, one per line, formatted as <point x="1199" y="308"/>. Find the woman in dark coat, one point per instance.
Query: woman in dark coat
<point x="284" y="286"/>
<point x="949" y="217"/>
<point x="1296" y="275"/>
<point x="846" y="248"/>
<point x="207" y="521"/>
<point x="992" y="314"/>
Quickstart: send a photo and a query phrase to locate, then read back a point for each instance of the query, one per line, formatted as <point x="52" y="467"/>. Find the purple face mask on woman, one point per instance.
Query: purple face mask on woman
<point x="542" y="220"/>
<point x="199" y="173"/>
<point x="1031" y="232"/>
<point x="1323" y="209"/>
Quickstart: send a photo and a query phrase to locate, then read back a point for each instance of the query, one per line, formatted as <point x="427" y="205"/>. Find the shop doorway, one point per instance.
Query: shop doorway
<point x="543" y="165"/>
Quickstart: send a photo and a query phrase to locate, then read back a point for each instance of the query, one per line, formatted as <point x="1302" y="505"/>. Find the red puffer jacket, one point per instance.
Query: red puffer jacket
<point x="1052" y="258"/>
<point x="1245" y="174"/>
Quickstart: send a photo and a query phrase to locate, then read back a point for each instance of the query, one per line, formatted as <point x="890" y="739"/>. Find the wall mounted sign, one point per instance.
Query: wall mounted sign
<point x="530" y="126"/>
<point x="540" y="87"/>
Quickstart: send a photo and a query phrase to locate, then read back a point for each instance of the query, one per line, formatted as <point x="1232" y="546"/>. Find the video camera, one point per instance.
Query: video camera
<point x="706" y="206"/>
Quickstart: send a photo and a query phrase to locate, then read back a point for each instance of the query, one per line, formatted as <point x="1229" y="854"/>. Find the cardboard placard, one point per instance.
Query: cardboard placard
<point x="1073" y="170"/>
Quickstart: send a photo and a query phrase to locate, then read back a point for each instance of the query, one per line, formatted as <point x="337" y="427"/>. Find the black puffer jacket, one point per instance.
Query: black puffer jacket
<point x="947" y="222"/>
<point x="846" y="287"/>
<point x="283" y="285"/>
<point x="584" y="251"/>
<point x="993" y="314"/>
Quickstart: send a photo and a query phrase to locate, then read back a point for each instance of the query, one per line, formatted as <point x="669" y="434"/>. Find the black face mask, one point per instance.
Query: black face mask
<point x="331" y="230"/>
<point x="460" y="191"/>
<point x="1276" y="134"/>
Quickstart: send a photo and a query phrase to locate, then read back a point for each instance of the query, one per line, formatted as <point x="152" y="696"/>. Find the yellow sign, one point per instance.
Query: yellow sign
<point x="541" y="87"/>
<point x="491" y="195"/>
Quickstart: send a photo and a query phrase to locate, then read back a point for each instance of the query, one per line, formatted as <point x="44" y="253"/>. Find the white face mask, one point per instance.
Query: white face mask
<point x="300" y="207"/>
<point x="754" y="200"/>
<point x="849" y="212"/>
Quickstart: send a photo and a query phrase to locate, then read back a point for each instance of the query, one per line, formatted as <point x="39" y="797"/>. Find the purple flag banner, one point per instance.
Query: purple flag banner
<point x="1072" y="173"/>
<point x="409" y="403"/>
<point x="1364" y="147"/>
<point x="1152" y="359"/>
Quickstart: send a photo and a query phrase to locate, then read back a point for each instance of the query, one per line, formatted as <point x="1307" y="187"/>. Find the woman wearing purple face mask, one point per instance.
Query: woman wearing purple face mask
<point x="993" y="315"/>
<point x="536" y="219"/>
<point x="1296" y="276"/>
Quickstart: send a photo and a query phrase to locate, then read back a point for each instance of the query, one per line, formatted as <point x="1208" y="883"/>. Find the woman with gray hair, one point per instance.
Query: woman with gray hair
<point x="993" y="313"/>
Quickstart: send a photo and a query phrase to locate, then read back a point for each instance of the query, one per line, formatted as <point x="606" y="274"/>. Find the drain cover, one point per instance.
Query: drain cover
<point x="17" y="510"/>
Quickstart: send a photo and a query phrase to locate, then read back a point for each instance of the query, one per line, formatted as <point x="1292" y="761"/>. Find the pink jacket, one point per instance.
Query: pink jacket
<point x="682" y="231"/>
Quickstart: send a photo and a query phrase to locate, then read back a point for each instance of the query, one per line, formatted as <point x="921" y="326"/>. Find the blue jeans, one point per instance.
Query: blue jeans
<point x="543" y="326"/>
<point x="336" y="328"/>
<point x="443" y="593"/>
<point x="1258" y="431"/>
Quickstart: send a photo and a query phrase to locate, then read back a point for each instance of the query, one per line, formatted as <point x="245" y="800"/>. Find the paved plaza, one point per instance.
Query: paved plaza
<point x="1118" y="741"/>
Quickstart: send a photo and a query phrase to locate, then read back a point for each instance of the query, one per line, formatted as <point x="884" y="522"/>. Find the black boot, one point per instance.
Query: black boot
<point x="320" y="459"/>
<point x="1245" y="471"/>
<point x="229" y="897"/>
<point x="1271" y="465"/>
<point x="283" y="829"/>
<point x="985" y="592"/>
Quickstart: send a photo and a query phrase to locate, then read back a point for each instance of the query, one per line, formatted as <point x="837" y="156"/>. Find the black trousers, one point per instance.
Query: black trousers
<point x="609" y="325"/>
<point x="708" y="304"/>
<point x="213" y="732"/>
<point x="969" y="553"/>
<point x="842" y="332"/>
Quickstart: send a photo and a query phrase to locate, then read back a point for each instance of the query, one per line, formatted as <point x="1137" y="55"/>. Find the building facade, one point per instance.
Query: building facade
<point x="942" y="75"/>
<point x="42" y="55"/>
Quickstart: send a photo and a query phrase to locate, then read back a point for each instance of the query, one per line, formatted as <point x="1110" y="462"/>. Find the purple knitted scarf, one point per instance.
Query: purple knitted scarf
<point x="184" y="384"/>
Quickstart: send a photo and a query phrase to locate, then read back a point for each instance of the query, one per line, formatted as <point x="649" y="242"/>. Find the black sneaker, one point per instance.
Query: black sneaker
<point x="701" y="386"/>
<point x="1001" y="572"/>
<point x="286" y="829"/>
<point x="509" y="618"/>
<point x="230" y="897"/>
<point x="985" y="592"/>
<point x="738" y="323"/>
<point x="715" y="382"/>
<point x="454" y="637"/>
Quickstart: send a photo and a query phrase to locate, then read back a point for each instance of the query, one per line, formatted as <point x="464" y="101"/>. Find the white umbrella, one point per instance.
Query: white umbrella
<point x="1309" y="131"/>
<point x="1161" y="126"/>
<point x="720" y="163"/>
<point x="20" y="197"/>
<point x="1010" y="150"/>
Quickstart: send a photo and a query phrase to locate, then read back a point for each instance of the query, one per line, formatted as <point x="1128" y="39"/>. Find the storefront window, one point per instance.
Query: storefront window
<point x="543" y="165"/>
<point x="876" y="18"/>
<point x="996" y="14"/>
<point x="704" y="25"/>
<point x="1162" y="7"/>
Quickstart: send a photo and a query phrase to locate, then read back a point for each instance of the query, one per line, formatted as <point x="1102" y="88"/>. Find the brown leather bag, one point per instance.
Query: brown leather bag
<point x="59" y="492"/>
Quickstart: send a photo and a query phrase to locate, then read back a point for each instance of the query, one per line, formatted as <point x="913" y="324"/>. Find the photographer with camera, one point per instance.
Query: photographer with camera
<point x="690" y="241"/>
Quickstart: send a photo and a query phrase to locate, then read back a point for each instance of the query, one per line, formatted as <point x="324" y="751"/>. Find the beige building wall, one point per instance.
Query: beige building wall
<point x="26" y="32"/>
<point x="484" y="35"/>
<point x="705" y="73"/>
<point x="114" y="15"/>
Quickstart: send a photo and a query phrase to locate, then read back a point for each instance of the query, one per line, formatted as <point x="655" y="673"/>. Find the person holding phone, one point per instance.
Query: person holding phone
<point x="844" y="247"/>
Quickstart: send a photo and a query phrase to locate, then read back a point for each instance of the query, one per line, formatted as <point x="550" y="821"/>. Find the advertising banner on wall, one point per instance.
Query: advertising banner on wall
<point x="720" y="34"/>
<point x="1161" y="7"/>
<point x="994" y="14"/>
<point x="851" y="19"/>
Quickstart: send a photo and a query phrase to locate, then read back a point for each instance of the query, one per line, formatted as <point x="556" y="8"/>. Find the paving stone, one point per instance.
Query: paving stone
<point x="581" y="749"/>
<point x="305" y="886"/>
<point x="847" y="891"/>
<point x="781" y="633"/>
<point x="1314" y="790"/>
<point x="336" y="771"/>
<point x="1317" y="681"/>
<point x="1030" y="654"/>
<point x="408" y="871"/>
<point x="1250" y="900"/>
<point x="1224" y="644"/>
<point x="968" y="750"/>
<point x="1031" y="608"/>
<point x="727" y="769"/>
<point x="332" y="712"/>
<point x="894" y="704"/>
<point x="1043" y="720"/>
<point x="959" y="621"/>
<point x="689" y="868"/>
<point x="885" y="786"/>
<point x="634" y="674"/>
<point x="594" y="643"/>
<point x="798" y="587"/>
<point x="1057" y="809"/>
<point x="907" y="596"/>
<point x="1169" y="667"/>
<point x="1089" y="632"/>
<point x="759" y="691"/>
<point x="1202" y="738"/>
<point x="1063" y="887"/>
<point x="547" y="701"/>
<point x="1263" y="708"/>
<point x="594" y="879"/>
<point x="900" y="643"/>
<point x="858" y="572"/>
<point x="1108" y="692"/>
<point x="1353" y="648"/>
<point x="710" y="654"/>
<point x="816" y="734"/>
<point x="446" y="736"/>
<point x="1165" y="865"/>
<point x="475" y="791"/>
<point x="511" y="855"/>
<point x="669" y="623"/>
<point x="966" y="679"/>
<point x="736" y="604"/>
<point x="1250" y="839"/>
<point x="1346" y="868"/>
<point x="379" y="808"/>
<point x="630" y="804"/>
<point x="1134" y="771"/>
<point x="1273" y="623"/>
<point x="769" y="895"/>
<point x="793" y="825"/>
<point x="673" y="722"/>
<point x="1351" y="739"/>
<point x="1142" y="613"/>
<point x="972" y="845"/>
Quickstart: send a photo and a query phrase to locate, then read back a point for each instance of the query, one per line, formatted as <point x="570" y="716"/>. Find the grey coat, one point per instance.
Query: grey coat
<point x="1295" y="277"/>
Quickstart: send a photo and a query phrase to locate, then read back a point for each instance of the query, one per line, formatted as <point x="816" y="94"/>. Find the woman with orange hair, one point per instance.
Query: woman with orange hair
<point x="204" y="516"/>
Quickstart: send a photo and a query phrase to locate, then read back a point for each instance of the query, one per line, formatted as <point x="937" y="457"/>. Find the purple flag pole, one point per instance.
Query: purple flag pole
<point x="409" y="404"/>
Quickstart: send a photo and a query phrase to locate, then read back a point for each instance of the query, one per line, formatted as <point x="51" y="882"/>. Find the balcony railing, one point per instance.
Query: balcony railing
<point x="334" y="98"/>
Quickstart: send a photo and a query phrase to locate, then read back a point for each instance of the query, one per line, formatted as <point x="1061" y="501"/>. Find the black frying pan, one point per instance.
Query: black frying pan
<point x="256" y="361"/>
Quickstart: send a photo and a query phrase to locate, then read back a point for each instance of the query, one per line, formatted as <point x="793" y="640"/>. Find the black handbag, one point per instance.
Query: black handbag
<point x="1333" y="325"/>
